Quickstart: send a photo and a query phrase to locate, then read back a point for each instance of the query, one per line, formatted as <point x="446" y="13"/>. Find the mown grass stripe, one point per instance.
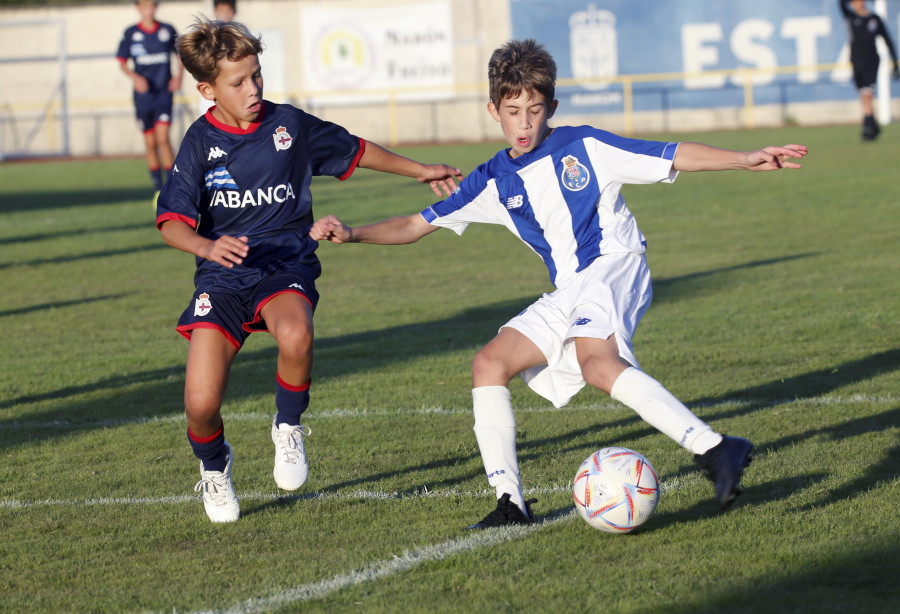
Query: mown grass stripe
<point x="426" y="411"/>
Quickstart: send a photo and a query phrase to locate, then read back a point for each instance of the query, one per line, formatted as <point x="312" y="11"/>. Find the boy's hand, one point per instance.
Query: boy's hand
<point x="773" y="158"/>
<point x="227" y="251"/>
<point x="330" y="228"/>
<point x="141" y="86"/>
<point x="441" y="178"/>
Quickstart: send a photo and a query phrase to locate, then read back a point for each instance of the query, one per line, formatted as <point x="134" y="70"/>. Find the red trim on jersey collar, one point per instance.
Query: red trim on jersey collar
<point x="145" y="30"/>
<point x="356" y="159"/>
<point x="234" y="129"/>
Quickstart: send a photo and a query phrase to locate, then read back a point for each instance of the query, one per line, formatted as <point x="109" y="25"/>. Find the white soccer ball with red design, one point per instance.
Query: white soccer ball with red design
<point x="615" y="490"/>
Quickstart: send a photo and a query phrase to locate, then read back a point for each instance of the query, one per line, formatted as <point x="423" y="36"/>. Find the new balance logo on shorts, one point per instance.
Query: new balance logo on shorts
<point x="215" y="152"/>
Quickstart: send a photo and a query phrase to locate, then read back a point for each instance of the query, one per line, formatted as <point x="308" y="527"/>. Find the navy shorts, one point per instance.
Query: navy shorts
<point x="236" y="315"/>
<point x="153" y="107"/>
<point x="865" y="74"/>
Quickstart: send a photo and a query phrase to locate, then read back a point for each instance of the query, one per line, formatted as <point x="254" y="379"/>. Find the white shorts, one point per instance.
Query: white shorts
<point x="610" y="296"/>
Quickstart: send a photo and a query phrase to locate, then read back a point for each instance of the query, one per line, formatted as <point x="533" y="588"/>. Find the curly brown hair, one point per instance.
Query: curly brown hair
<point x="209" y="42"/>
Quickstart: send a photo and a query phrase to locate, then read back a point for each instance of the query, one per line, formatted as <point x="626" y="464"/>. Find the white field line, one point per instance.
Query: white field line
<point x="428" y="411"/>
<point x="409" y="559"/>
<point x="353" y="495"/>
<point x="389" y="567"/>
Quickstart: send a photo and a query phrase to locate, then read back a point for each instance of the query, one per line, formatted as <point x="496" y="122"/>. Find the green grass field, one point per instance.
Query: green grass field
<point x="775" y="317"/>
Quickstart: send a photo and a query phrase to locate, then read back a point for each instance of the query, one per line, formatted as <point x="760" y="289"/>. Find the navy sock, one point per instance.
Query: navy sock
<point x="156" y="177"/>
<point x="290" y="401"/>
<point x="211" y="450"/>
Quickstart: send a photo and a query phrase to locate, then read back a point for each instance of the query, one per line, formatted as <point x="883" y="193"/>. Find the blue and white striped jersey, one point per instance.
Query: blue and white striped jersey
<point x="563" y="198"/>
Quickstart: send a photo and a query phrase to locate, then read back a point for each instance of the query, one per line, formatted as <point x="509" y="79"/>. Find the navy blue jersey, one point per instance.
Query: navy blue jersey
<point x="863" y="30"/>
<point x="150" y="50"/>
<point x="255" y="183"/>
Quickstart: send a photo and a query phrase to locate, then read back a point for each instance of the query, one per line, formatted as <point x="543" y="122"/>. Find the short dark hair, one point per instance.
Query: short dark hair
<point x="521" y="66"/>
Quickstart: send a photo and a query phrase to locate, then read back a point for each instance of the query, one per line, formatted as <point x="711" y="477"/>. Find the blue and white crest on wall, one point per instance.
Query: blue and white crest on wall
<point x="575" y="176"/>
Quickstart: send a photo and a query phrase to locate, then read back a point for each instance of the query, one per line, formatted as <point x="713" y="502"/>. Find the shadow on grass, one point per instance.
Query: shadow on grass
<point x="58" y="305"/>
<point x="47" y="200"/>
<point x="109" y="253"/>
<point x="673" y="288"/>
<point x="45" y="236"/>
<point x="849" y="580"/>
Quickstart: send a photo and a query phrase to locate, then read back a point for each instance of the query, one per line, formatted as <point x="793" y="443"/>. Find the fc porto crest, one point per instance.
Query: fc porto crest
<point x="202" y="305"/>
<point x="283" y="140"/>
<point x="575" y="176"/>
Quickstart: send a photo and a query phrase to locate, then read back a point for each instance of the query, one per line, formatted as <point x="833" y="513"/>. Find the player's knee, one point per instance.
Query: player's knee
<point x="201" y="404"/>
<point x="295" y="342"/>
<point x="487" y="368"/>
<point x="601" y="371"/>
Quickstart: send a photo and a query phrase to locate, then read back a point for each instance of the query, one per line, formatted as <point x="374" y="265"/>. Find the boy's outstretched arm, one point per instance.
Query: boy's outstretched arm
<point x="440" y="177"/>
<point x="698" y="157"/>
<point x="392" y="231"/>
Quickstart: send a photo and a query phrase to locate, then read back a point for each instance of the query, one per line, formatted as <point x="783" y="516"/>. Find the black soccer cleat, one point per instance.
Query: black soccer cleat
<point x="505" y="514"/>
<point x="724" y="465"/>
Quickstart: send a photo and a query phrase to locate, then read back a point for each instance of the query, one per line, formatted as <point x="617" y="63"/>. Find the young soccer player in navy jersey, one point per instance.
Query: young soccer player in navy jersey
<point x="559" y="191"/>
<point x="863" y="28"/>
<point x="150" y="45"/>
<point x="238" y="198"/>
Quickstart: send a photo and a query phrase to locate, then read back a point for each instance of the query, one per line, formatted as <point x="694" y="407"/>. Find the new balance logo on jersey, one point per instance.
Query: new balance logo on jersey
<point x="233" y="199"/>
<point x="215" y="153"/>
<point x="515" y="202"/>
<point x="581" y="322"/>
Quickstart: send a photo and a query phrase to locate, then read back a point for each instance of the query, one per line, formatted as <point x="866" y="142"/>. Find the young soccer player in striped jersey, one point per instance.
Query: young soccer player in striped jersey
<point x="559" y="191"/>
<point x="239" y="199"/>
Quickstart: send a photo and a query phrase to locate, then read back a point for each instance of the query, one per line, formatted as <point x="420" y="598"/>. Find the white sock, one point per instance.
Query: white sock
<point x="659" y="408"/>
<point x="495" y="430"/>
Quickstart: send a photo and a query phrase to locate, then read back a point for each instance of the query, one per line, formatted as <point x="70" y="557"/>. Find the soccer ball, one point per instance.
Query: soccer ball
<point x="615" y="490"/>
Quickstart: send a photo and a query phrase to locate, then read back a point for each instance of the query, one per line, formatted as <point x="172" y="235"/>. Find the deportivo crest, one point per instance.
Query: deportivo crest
<point x="575" y="176"/>
<point x="202" y="305"/>
<point x="283" y="140"/>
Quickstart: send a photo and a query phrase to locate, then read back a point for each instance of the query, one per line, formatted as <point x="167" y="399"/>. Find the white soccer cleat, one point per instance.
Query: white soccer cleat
<point x="219" y="498"/>
<point x="291" y="466"/>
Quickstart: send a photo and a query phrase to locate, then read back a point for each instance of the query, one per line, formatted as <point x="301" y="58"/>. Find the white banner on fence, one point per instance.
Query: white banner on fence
<point x="406" y="46"/>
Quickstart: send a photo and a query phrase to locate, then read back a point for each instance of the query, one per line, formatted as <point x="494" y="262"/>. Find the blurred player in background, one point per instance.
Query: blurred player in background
<point x="863" y="28"/>
<point x="224" y="10"/>
<point x="150" y="46"/>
